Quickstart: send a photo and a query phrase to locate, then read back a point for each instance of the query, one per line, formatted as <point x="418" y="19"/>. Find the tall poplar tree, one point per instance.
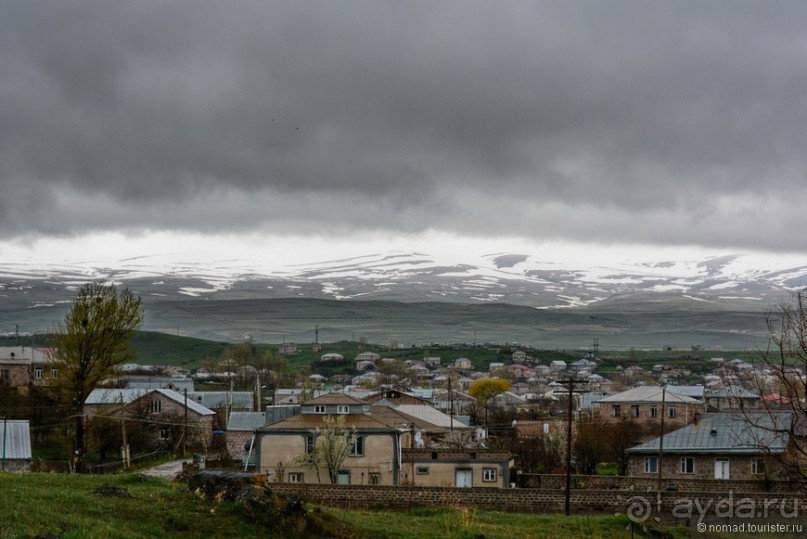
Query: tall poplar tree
<point x="93" y="341"/>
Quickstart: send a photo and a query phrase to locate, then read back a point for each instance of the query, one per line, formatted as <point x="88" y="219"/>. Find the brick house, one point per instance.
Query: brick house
<point x="644" y="405"/>
<point x="716" y="446"/>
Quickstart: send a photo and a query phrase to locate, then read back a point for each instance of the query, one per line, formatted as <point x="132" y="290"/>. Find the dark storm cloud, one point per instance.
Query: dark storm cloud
<point x="636" y="121"/>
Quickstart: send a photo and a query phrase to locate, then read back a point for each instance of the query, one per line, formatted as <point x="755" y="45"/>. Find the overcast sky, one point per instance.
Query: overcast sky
<point x="676" y="124"/>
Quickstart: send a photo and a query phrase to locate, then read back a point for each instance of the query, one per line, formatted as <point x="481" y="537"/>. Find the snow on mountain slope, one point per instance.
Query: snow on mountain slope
<point x="516" y="278"/>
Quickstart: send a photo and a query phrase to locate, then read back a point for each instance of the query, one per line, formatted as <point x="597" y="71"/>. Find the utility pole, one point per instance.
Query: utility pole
<point x="5" y="434"/>
<point x="660" y="449"/>
<point x="124" y="445"/>
<point x="567" y="502"/>
<point x="185" y="433"/>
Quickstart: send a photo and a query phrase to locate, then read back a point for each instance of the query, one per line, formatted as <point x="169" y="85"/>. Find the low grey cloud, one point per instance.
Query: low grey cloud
<point x="674" y="123"/>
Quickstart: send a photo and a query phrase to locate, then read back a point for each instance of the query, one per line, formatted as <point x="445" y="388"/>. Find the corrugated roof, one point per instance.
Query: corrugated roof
<point x="246" y="421"/>
<point x="114" y="396"/>
<point x="726" y="433"/>
<point x="732" y="392"/>
<point x="313" y="421"/>
<point x="220" y="399"/>
<point x="335" y="398"/>
<point x="15" y="439"/>
<point x="649" y="394"/>
<point x="176" y="397"/>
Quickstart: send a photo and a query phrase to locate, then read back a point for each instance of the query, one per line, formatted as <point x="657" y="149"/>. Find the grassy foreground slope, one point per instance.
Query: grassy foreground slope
<point x="64" y="506"/>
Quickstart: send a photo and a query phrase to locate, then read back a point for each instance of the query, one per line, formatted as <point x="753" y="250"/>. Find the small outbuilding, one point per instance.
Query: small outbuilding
<point x="15" y="445"/>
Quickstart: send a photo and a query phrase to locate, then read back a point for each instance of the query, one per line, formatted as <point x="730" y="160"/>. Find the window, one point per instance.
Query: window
<point x="634" y="410"/>
<point x="156" y="406"/>
<point x="54" y="373"/>
<point x="375" y="478"/>
<point x="615" y="410"/>
<point x="489" y="475"/>
<point x="687" y="465"/>
<point x="422" y="470"/>
<point x="358" y="447"/>
<point x="38" y="373"/>
<point x="5" y="376"/>
<point x="295" y="477"/>
<point x="309" y="444"/>
<point x="653" y="411"/>
<point x="758" y="466"/>
<point x="319" y="409"/>
<point x="343" y="409"/>
<point x="671" y="412"/>
<point x="651" y="465"/>
<point x="165" y="434"/>
<point x="343" y="477"/>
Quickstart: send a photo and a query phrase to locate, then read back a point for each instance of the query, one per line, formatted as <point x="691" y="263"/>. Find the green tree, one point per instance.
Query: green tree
<point x="94" y="339"/>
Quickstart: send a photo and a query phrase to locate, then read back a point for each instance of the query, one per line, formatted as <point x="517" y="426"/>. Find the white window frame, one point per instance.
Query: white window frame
<point x="422" y="470"/>
<point x="651" y="465"/>
<point x="296" y="477"/>
<point x="37" y="373"/>
<point x="653" y="411"/>
<point x="156" y="406"/>
<point x="490" y="475"/>
<point x="342" y="409"/>
<point x="757" y="466"/>
<point x="319" y="408"/>
<point x="687" y="465"/>
<point x="634" y="411"/>
<point x="671" y="412"/>
<point x="616" y="410"/>
<point x="54" y="374"/>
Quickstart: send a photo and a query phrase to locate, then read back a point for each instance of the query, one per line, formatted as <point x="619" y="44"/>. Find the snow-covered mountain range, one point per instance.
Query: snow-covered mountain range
<point x="734" y="281"/>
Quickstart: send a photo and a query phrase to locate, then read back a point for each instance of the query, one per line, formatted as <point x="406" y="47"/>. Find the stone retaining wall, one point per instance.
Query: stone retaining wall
<point x="650" y="484"/>
<point x="526" y="500"/>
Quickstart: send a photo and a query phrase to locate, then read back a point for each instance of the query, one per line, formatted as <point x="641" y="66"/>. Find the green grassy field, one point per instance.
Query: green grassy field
<point x="65" y="506"/>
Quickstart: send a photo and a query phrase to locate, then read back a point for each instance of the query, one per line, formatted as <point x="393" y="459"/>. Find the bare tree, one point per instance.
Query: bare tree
<point x="333" y="443"/>
<point x="781" y="380"/>
<point x="94" y="339"/>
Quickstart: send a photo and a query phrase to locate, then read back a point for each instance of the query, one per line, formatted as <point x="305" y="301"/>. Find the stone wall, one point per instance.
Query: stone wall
<point x="526" y="500"/>
<point x="650" y="483"/>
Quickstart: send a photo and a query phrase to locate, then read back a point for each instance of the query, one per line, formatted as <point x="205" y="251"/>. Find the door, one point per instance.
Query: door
<point x="464" y="477"/>
<point x="722" y="469"/>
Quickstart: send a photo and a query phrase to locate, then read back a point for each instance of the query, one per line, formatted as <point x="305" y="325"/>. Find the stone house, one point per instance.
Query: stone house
<point x="21" y="366"/>
<point x="374" y="457"/>
<point x="164" y="407"/>
<point x="241" y="443"/>
<point x="644" y="405"/>
<point x="733" y="398"/>
<point x="716" y="446"/>
<point x="383" y="433"/>
<point x="457" y="467"/>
